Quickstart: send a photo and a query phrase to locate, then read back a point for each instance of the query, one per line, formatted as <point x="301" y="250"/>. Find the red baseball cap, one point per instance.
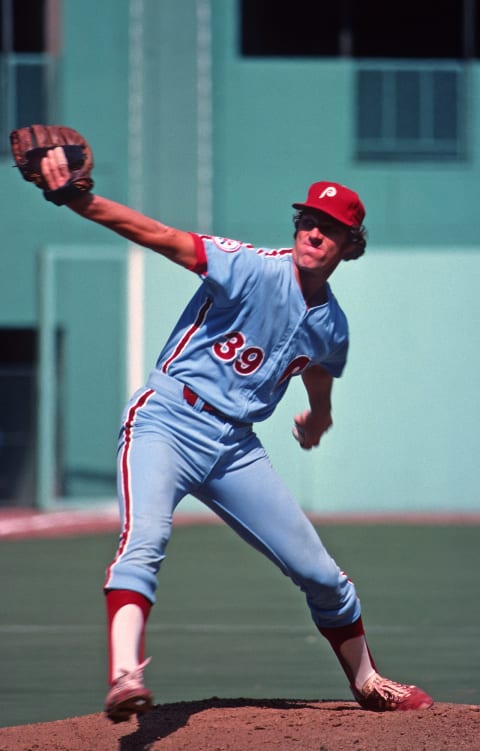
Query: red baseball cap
<point x="337" y="201"/>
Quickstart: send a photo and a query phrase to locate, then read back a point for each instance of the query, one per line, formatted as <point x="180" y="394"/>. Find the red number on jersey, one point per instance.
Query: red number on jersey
<point x="227" y="350"/>
<point x="294" y="368"/>
<point x="247" y="361"/>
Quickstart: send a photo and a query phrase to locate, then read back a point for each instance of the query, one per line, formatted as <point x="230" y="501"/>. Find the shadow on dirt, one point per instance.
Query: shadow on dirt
<point x="165" y="719"/>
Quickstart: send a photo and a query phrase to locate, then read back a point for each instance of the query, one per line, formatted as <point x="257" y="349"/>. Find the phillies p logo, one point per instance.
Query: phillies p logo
<point x="328" y="192"/>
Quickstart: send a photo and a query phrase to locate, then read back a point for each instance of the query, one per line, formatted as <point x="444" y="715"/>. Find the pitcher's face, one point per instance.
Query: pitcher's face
<point x="320" y="243"/>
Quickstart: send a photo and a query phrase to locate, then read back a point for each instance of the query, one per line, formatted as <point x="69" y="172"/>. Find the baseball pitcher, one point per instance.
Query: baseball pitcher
<point x="259" y="318"/>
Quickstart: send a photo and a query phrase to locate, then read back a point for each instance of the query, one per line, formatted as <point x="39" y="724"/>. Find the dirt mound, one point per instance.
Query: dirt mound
<point x="241" y="724"/>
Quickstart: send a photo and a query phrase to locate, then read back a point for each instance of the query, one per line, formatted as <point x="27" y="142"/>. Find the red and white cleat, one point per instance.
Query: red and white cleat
<point x="128" y="695"/>
<point x="379" y="694"/>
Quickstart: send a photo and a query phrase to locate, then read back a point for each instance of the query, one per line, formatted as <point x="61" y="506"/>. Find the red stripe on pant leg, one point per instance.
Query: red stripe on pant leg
<point x="125" y="479"/>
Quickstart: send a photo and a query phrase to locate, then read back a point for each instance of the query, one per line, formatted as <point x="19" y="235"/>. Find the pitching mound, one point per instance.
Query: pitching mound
<point x="242" y="724"/>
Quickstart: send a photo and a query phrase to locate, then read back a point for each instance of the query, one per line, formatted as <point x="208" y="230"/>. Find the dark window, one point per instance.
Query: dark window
<point x="22" y="25"/>
<point x="17" y="416"/>
<point x="360" y="28"/>
<point x="401" y="112"/>
<point x="272" y="28"/>
<point x="27" y="63"/>
<point x="409" y="29"/>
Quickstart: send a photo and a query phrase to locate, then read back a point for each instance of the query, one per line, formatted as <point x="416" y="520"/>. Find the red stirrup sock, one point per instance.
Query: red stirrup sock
<point x="116" y="599"/>
<point x="355" y="659"/>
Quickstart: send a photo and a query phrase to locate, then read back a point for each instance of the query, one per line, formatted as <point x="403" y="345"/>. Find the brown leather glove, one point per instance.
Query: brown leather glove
<point x="29" y="145"/>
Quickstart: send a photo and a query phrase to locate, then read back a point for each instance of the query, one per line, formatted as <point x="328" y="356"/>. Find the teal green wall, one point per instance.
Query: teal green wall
<point x="279" y="125"/>
<point x="405" y="434"/>
<point x="93" y="99"/>
<point x="282" y="124"/>
<point x="90" y="312"/>
<point x="90" y="305"/>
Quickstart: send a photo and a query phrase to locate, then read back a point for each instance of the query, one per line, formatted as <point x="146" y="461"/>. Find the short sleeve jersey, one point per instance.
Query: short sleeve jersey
<point x="247" y="330"/>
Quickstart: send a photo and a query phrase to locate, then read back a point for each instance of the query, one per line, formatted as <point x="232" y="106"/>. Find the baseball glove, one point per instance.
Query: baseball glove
<point x="29" y="146"/>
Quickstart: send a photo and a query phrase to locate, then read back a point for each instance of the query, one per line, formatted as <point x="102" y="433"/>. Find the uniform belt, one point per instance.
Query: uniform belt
<point x="192" y="398"/>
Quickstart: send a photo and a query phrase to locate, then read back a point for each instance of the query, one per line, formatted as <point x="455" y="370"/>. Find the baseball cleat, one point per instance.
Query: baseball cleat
<point x="128" y="695"/>
<point x="379" y="694"/>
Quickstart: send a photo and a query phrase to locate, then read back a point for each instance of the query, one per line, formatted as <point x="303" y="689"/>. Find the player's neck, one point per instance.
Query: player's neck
<point x="313" y="287"/>
<point x="318" y="297"/>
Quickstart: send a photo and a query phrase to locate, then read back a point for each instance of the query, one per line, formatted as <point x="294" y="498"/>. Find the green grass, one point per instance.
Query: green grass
<point x="228" y="624"/>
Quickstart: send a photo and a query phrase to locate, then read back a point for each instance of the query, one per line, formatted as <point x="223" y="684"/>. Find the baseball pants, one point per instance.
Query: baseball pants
<point x="168" y="449"/>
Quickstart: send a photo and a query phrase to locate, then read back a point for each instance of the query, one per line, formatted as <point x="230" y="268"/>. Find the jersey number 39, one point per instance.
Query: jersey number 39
<point x="248" y="359"/>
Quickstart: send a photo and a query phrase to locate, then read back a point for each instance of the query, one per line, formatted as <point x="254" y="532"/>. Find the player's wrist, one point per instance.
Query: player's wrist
<point x="69" y="193"/>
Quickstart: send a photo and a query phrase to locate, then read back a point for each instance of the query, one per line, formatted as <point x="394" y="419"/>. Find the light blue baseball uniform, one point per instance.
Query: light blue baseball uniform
<point x="226" y="365"/>
<point x="248" y="330"/>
